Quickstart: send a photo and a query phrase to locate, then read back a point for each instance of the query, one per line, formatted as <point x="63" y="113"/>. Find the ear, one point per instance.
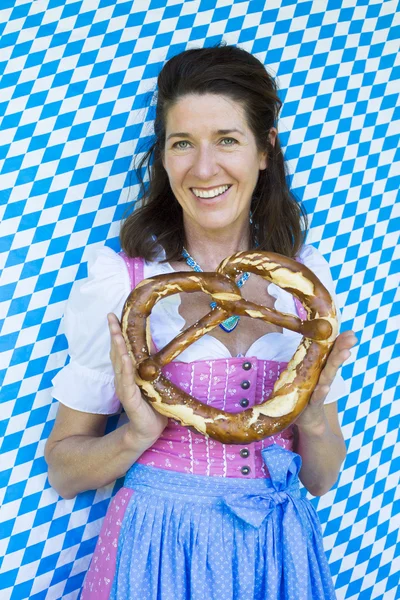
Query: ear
<point x="263" y="161"/>
<point x="263" y="156"/>
<point x="273" y="132"/>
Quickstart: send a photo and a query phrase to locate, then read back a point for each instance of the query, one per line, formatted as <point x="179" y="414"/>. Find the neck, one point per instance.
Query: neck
<point x="210" y="248"/>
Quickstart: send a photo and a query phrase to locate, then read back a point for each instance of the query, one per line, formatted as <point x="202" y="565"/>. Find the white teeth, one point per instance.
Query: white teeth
<point x="210" y="193"/>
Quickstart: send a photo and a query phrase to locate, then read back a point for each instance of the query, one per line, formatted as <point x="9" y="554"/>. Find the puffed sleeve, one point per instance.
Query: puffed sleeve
<point x="314" y="260"/>
<point x="87" y="382"/>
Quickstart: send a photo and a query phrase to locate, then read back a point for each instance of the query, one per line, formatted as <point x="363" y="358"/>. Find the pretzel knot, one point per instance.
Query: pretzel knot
<point x="295" y="385"/>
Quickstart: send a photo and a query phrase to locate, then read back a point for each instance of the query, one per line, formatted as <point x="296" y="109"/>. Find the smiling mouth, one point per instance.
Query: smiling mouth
<point x="212" y="193"/>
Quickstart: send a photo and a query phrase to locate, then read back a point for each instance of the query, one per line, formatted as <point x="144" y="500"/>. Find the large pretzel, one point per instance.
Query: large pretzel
<point x="294" y="387"/>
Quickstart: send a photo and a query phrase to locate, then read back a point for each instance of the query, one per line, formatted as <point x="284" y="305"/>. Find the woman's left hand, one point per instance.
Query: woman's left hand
<point x="313" y="416"/>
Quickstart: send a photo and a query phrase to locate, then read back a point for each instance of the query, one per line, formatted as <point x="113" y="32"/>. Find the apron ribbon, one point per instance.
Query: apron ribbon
<point x="283" y="467"/>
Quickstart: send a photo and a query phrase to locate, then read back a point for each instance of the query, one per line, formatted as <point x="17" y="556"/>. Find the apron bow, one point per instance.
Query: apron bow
<point x="283" y="467"/>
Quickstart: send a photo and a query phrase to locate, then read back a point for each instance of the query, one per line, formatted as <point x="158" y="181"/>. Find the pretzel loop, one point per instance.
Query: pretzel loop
<point x="295" y="385"/>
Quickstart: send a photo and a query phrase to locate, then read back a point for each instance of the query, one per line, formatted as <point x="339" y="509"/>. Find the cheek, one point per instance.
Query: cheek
<point x="243" y="168"/>
<point x="245" y="177"/>
<point x="176" y="168"/>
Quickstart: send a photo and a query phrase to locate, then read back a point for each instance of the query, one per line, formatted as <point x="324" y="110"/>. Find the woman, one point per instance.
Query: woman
<point x="196" y="518"/>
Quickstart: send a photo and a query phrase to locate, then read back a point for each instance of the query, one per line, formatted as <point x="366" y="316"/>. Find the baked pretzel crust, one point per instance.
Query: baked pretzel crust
<point x="292" y="390"/>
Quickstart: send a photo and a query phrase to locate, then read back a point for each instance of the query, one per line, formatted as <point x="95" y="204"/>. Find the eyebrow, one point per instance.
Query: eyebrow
<point x="218" y="132"/>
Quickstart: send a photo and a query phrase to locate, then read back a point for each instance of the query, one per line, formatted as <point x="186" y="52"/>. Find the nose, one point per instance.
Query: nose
<point x="205" y="165"/>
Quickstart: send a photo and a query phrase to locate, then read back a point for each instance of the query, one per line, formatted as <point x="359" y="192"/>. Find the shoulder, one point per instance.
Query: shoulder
<point x="157" y="266"/>
<point x="315" y="261"/>
<point x="310" y="254"/>
<point x="105" y="261"/>
<point x="107" y="280"/>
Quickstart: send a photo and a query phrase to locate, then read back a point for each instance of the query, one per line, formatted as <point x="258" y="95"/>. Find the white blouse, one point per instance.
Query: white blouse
<point x="86" y="383"/>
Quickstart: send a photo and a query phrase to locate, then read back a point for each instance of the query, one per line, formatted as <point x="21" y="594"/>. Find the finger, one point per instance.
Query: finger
<point x="113" y="350"/>
<point x="112" y="346"/>
<point x="113" y="321"/>
<point x="337" y="357"/>
<point x="347" y="339"/>
<point x="319" y="394"/>
<point x="120" y="352"/>
<point x="332" y="366"/>
<point x="127" y="386"/>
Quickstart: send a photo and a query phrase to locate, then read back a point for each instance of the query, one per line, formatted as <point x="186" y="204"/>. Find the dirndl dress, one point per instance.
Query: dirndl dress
<point x="197" y="519"/>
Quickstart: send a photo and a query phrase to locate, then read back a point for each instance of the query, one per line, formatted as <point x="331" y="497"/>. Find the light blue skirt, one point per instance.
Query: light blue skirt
<point x="192" y="537"/>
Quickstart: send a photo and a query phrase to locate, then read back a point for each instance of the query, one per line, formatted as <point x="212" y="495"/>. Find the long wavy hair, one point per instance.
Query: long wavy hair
<point x="279" y="221"/>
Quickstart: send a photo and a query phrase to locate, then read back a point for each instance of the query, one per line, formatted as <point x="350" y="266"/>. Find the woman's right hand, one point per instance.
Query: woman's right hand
<point x="144" y="422"/>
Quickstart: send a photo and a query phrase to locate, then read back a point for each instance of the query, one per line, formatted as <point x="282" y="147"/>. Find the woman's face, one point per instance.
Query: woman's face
<point x="212" y="160"/>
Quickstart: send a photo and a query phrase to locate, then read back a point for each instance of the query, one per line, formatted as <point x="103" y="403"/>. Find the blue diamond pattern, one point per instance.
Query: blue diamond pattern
<point x="69" y="130"/>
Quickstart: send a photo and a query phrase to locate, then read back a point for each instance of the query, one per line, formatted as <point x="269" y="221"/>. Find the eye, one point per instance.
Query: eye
<point x="178" y="145"/>
<point x="231" y="140"/>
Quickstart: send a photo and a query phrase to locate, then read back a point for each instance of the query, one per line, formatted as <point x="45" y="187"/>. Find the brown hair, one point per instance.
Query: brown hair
<point x="276" y="214"/>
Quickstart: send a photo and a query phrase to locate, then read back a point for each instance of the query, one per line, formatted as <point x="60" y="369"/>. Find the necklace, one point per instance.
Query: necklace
<point x="231" y="322"/>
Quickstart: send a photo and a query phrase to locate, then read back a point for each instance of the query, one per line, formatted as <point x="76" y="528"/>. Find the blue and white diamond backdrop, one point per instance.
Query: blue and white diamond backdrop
<point x="74" y="81"/>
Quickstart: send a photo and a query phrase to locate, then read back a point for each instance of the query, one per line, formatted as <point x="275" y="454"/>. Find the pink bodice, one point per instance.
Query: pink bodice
<point x="232" y="384"/>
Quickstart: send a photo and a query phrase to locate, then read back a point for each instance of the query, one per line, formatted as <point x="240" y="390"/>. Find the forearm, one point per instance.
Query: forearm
<point x="322" y="453"/>
<point x="79" y="463"/>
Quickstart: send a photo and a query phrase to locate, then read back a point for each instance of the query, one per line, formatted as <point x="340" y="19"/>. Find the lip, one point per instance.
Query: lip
<point x="216" y="199"/>
<point x="212" y="187"/>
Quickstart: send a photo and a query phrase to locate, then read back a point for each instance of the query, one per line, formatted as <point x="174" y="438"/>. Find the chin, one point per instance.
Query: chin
<point x="215" y="221"/>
